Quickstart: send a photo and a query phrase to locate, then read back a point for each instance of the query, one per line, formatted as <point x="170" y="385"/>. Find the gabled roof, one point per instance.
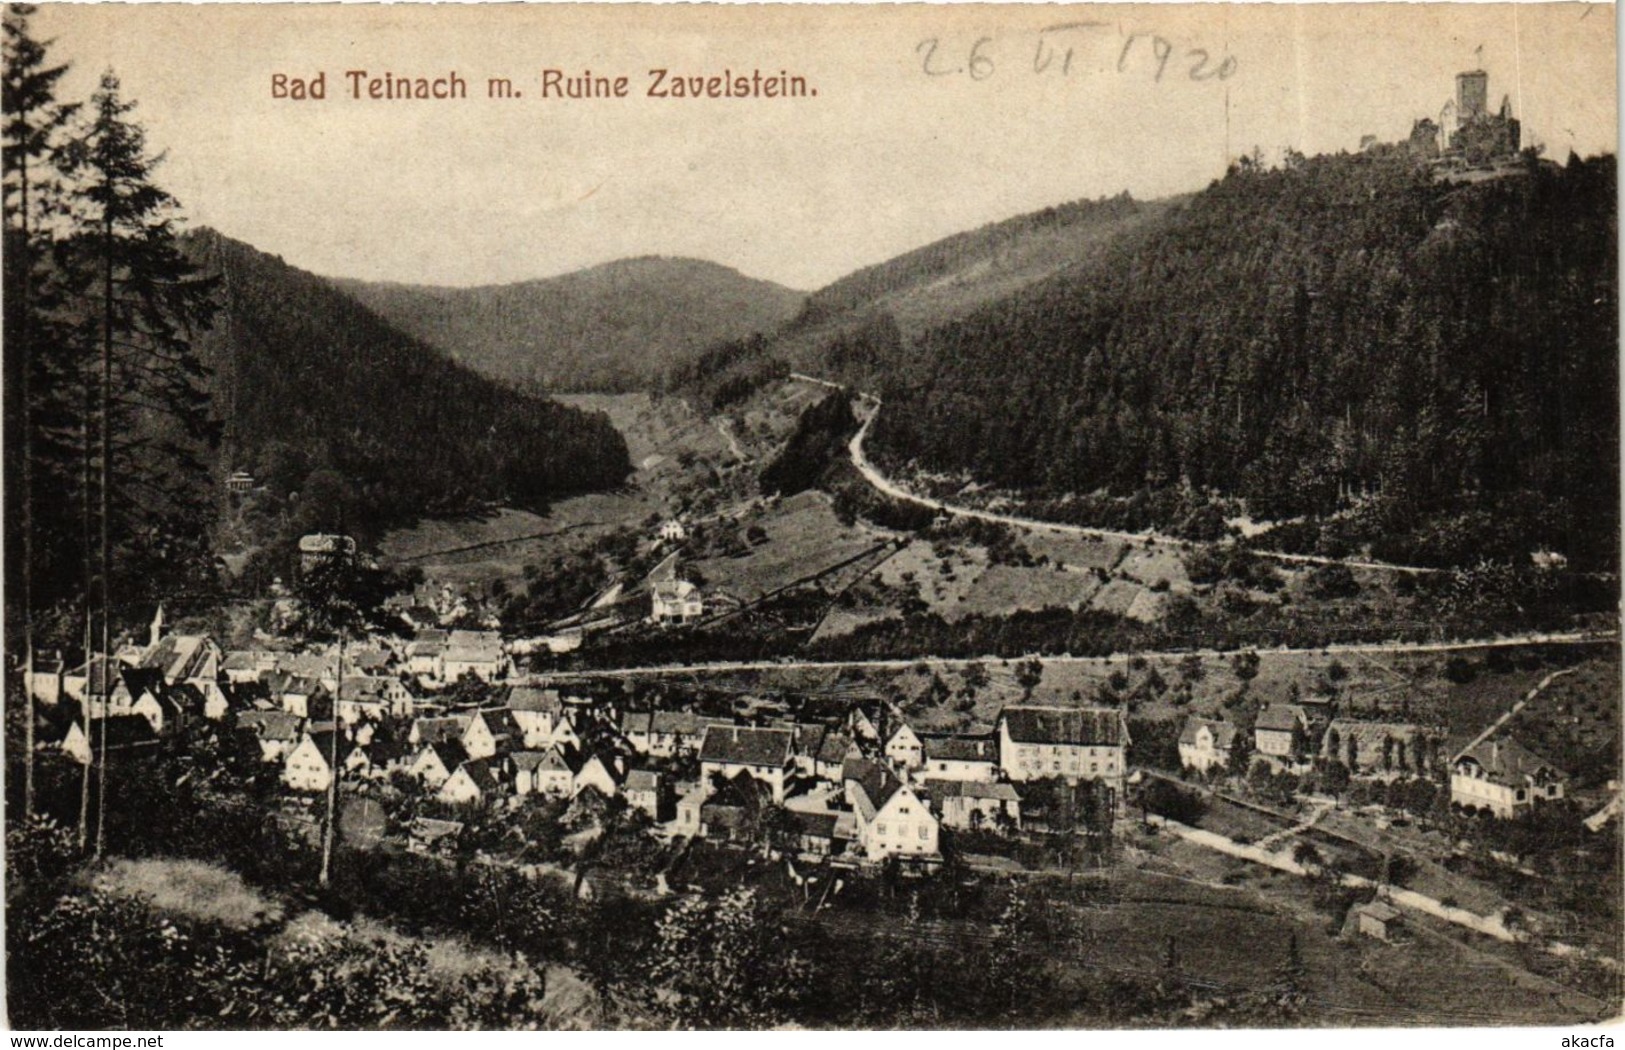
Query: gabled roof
<point x="441" y="727"/>
<point x="961" y="748"/>
<point x="669" y="723"/>
<point x="248" y="660"/>
<point x="482" y="771"/>
<point x="1078" y="726"/>
<point x="1506" y="761"/>
<point x="367" y="659"/>
<point x="610" y="763"/>
<point x="270" y="725"/>
<point x="361" y="687"/>
<point x="102" y="677"/>
<point x="309" y="665"/>
<point x="531" y="698"/>
<point x="642" y="780"/>
<point x="989" y="789"/>
<point x="745" y="746"/>
<point x="1382" y="911"/>
<point x="177" y="656"/>
<point x="323" y="739"/>
<point x="1281" y="718"/>
<point x="450" y="753"/>
<point x="833" y="747"/>
<point x="743" y="792"/>
<point x="474" y="647"/>
<point x="186" y="697"/>
<point x="544" y="761"/>
<point x="499" y="721"/>
<point x="1224" y="734"/>
<point x="874" y="789"/>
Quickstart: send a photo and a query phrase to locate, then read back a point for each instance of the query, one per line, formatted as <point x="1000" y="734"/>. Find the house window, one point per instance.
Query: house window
<point x="1094" y="767"/>
<point x="1521" y="794"/>
<point x="925" y="832"/>
<point x="880" y="829"/>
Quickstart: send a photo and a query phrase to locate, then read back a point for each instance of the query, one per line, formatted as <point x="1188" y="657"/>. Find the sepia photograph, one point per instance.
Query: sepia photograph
<point x="858" y="517"/>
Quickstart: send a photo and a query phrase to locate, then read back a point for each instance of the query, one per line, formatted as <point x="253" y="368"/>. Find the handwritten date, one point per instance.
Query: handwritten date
<point x="1061" y="48"/>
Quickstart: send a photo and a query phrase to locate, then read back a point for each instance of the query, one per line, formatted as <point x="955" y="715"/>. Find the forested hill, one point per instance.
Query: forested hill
<point x="1426" y="368"/>
<point x="853" y="328"/>
<point x="614" y="327"/>
<point x="307" y="381"/>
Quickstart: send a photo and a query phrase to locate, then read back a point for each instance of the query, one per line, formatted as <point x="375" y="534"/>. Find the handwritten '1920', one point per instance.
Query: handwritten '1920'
<point x="1055" y="51"/>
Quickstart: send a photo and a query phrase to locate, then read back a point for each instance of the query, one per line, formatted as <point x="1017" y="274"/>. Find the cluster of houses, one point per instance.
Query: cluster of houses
<point x="1494" y="774"/>
<point x="867" y="786"/>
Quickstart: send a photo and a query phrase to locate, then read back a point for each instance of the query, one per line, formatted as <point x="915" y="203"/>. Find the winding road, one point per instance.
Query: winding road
<point x="879" y="481"/>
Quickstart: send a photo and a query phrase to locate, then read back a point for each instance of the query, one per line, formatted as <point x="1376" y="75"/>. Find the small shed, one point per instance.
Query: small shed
<point x="1378" y="919"/>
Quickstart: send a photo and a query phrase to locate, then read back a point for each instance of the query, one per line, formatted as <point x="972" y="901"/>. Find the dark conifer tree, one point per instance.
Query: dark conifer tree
<point x="34" y="121"/>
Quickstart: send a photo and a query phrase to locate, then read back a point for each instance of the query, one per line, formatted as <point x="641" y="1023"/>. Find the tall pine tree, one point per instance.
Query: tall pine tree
<point x="34" y="200"/>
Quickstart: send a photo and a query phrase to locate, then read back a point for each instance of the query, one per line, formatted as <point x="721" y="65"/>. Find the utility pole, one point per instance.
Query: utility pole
<point x="333" y="767"/>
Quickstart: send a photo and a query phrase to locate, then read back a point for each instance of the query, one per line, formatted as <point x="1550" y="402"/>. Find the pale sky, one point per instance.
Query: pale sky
<point x="800" y="191"/>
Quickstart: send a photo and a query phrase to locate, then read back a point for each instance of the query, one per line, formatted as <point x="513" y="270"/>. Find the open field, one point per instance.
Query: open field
<point x="1353" y="979"/>
<point x="475" y="551"/>
<point x="803" y="538"/>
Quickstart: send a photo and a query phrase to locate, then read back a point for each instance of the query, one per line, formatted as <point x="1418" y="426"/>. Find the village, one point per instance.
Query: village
<point x="420" y="738"/>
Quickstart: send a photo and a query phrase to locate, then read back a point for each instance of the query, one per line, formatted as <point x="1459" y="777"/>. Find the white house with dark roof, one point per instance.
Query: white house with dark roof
<point x="665" y="734"/>
<point x="432" y="729"/>
<point x="492" y="730"/>
<point x="476" y="780"/>
<point x="974" y="803"/>
<point x="1280" y="731"/>
<point x="763" y="753"/>
<point x="1504" y="777"/>
<point x="437" y="761"/>
<point x="309" y="766"/>
<point x="974" y="758"/>
<point x="183" y="658"/>
<point x="541" y="717"/>
<point x="1205" y="744"/>
<point x="247" y="665"/>
<point x="542" y="772"/>
<point x="903" y="747"/>
<point x="276" y="731"/>
<point x="426" y="654"/>
<point x="603" y="773"/>
<point x="478" y="653"/>
<point x="371" y="697"/>
<point x="1072" y="743"/>
<point x="642" y="789"/>
<point x="892" y="821"/>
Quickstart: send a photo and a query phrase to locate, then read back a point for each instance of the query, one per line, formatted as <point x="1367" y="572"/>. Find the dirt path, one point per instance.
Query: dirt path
<point x="1495" y="726"/>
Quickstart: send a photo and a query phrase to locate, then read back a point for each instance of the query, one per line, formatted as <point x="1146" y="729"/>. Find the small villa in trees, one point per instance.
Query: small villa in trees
<point x="1504" y="777"/>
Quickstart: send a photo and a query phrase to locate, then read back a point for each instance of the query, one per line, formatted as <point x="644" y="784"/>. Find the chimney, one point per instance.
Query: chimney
<point x="157" y="625"/>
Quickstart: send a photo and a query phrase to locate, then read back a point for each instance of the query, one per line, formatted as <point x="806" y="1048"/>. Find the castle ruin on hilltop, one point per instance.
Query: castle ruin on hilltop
<point x="1467" y="134"/>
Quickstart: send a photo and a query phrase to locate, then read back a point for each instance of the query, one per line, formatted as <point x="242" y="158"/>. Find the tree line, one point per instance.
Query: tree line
<point x="143" y="364"/>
